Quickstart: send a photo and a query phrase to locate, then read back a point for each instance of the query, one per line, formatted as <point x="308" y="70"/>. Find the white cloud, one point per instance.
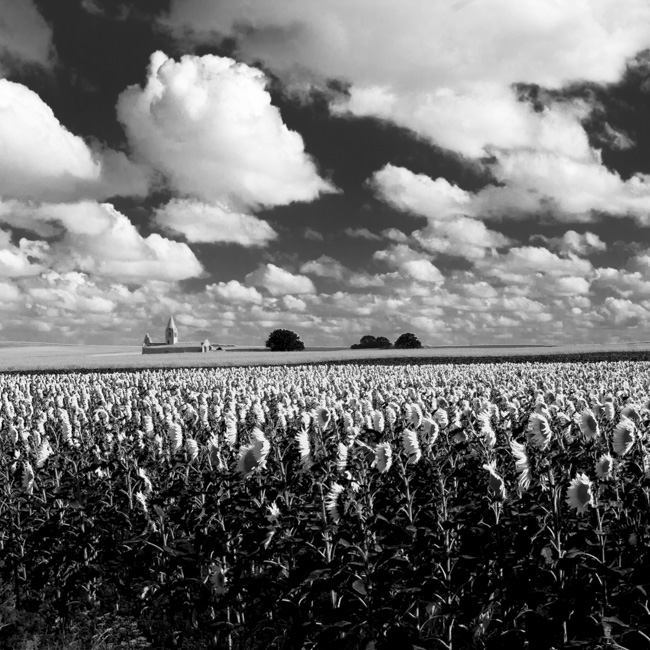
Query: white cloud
<point x="572" y="188"/>
<point x="279" y="282"/>
<point x="620" y="312"/>
<point x="70" y="292"/>
<point x="95" y="238"/>
<point x="362" y="233"/>
<point x="397" y="255"/>
<point x="438" y="68"/>
<point x="325" y="267"/>
<point x="420" y="194"/>
<point x="446" y="71"/>
<point x="412" y="43"/>
<point x="462" y="237"/>
<point x="25" y="37"/>
<point x="423" y="271"/>
<point x="15" y="260"/>
<point x="475" y="121"/>
<point x="233" y="292"/>
<point x="291" y="303"/>
<point x="524" y="264"/>
<point x="578" y="243"/>
<point x="9" y="293"/>
<point x="41" y="160"/>
<point x="206" y="222"/>
<point x="633" y="285"/>
<point x="447" y="231"/>
<point x="410" y="263"/>
<point x="208" y="124"/>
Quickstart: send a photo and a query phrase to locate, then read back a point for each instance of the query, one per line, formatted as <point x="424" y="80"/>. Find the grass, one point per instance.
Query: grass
<point x="40" y="357"/>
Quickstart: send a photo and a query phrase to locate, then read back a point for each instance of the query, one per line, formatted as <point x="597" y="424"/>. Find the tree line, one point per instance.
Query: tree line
<point x="283" y="340"/>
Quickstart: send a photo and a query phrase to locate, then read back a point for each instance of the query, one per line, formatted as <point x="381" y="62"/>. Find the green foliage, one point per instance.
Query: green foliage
<point x="284" y="341"/>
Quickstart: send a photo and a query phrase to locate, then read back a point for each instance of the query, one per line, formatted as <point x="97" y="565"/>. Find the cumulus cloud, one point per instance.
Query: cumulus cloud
<point x="279" y="282"/>
<point x="413" y="44"/>
<point x="474" y="121"/>
<point x="633" y="285"/>
<point x="446" y="72"/>
<point x="423" y="271"/>
<point x="71" y="292"/>
<point x="235" y="292"/>
<point x="96" y="238"/>
<point x="442" y="70"/>
<point x="562" y="187"/>
<point x="572" y="189"/>
<point x="208" y="124"/>
<point x="41" y="160"/>
<point x="420" y="194"/>
<point x="325" y="267"/>
<point x="211" y="222"/>
<point x="410" y="263"/>
<point x="444" y="205"/>
<point x="521" y="265"/>
<point x="25" y="37"/>
<point x="580" y="244"/>
<point x="21" y="260"/>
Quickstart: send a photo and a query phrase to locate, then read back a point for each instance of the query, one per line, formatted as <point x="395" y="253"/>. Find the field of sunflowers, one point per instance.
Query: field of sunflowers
<point x="336" y="506"/>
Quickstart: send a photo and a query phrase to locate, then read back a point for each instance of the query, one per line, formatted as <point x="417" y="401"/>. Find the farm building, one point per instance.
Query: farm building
<point x="171" y="343"/>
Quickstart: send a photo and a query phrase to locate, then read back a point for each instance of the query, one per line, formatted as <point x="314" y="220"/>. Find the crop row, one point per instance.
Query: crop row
<point x="448" y="506"/>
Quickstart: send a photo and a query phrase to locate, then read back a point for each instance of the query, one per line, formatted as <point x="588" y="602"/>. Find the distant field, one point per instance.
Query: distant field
<point x="98" y="357"/>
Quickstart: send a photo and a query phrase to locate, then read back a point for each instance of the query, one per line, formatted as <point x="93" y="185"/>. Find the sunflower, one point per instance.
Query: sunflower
<point x="43" y="452"/>
<point x="332" y="501"/>
<point x="273" y="513"/>
<point x="378" y="422"/>
<point x="254" y="455"/>
<point x="414" y="415"/>
<point x="175" y="435"/>
<point x="342" y="457"/>
<point x="302" y="438"/>
<point x="411" y="445"/>
<point x="441" y="417"/>
<point x="604" y="466"/>
<point x="522" y="464"/>
<point x="539" y="430"/>
<point x="323" y="417"/>
<point x="624" y="436"/>
<point x="579" y="494"/>
<point x="383" y="457"/>
<point x="588" y="424"/>
<point x="430" y="432"/>
<point x="28" y="478"/>
<point x="192" y="449"/>
<point x="497" y="484"/>
<point x="485" y="428"/>
<point x="141" y="498"/>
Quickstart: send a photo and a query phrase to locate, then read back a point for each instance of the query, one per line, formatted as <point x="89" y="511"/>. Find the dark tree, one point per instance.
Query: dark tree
<point x="408" y="341"/>
<point x="284" y="341"/>
<point x="369" y="341"/>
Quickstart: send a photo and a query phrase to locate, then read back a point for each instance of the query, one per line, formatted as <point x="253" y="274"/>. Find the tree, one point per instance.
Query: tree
<point x="284" y="341"/>
<point x="408" y="341"/>
<point x="369" y="341"/>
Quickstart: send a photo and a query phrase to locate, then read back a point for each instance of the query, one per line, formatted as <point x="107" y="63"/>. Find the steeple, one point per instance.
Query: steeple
<point x="171" y="333"/>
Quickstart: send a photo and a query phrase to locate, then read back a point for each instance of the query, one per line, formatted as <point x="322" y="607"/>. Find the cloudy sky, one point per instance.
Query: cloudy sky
<point x="473" y="171"/>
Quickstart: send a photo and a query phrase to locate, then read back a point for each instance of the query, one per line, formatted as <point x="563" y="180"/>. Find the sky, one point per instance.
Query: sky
<point x="472" y="171"/>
